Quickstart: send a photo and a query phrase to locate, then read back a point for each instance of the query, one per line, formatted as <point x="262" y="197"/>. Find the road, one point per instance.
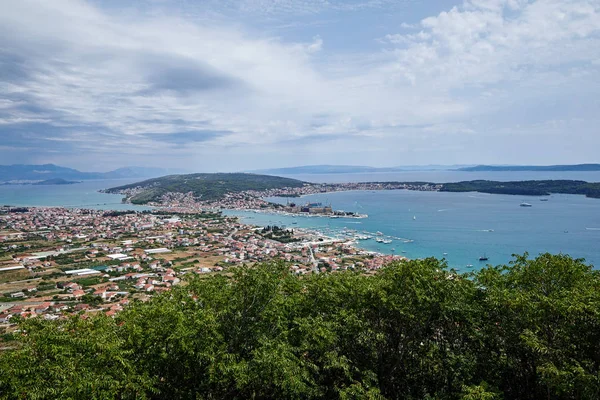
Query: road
<point x="314" y="261"/>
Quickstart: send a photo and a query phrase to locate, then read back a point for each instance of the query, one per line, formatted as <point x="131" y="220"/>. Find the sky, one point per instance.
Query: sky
<point x="223" y="85"/>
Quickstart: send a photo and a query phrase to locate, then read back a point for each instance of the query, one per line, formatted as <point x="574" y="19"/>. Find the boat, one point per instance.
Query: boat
<point x="543" y="199"/>
<point x="445" y="254"/>
<point x="525" y="205"/>
<point x="469" y="265"/>
<point x="483" y="258"/>
<point x="414" y="217"/>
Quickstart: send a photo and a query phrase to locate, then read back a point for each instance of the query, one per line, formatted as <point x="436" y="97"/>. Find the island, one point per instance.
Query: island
<point x="53" y="181"/>
<point x="526" y="188"/>
<point x="537" y="168"/>
<point x="56" y="181"/>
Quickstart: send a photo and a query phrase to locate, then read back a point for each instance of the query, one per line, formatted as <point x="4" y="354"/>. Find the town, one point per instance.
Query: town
<point x="56" y="262"/>
<point x="255" y="199"/>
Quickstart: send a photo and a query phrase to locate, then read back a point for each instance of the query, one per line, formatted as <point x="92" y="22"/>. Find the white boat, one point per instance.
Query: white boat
<point x="525" y="205"/>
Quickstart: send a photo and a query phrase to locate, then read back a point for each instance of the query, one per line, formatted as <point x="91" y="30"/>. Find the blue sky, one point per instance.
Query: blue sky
<point x="219" y="85"/>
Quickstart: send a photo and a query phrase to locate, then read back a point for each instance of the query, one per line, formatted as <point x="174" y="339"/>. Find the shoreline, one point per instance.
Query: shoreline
<point x="353" y="241"/>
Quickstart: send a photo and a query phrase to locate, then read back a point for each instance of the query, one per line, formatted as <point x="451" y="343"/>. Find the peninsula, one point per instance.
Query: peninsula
<point x="247" y="191"/>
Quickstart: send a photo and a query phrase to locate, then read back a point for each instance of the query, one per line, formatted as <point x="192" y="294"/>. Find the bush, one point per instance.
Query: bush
<point x="413" y="330"/>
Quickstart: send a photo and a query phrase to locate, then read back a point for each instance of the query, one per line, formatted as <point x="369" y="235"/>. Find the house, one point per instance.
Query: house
<point x="42" y="307"/>
<point x="78" y="293"/>
<point x="71" y="287"/>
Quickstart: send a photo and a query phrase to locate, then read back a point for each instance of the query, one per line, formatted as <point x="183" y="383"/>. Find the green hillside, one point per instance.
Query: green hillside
<point x="204" y="186"/>
<point x="526" y="188"/>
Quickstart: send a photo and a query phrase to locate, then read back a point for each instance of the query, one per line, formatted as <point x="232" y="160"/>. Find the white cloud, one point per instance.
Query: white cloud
<point x="109" y="81"/>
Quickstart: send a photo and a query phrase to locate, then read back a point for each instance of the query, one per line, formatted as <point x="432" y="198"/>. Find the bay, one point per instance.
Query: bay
<point x="77" y="195"/>
<point x="466" y="226"/>
<point x="463" y="225"/>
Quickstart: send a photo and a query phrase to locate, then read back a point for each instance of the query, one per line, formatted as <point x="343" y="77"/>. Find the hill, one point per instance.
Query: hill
<point x="204" y="186"/>
<point x="44" y="172"/>
<point x="500" y="168"/>
<point x="526" y="188"/>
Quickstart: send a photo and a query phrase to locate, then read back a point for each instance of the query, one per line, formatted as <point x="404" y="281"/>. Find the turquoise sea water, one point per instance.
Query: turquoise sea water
<point x="463" y="225"/>
<point x="78" y="195"/>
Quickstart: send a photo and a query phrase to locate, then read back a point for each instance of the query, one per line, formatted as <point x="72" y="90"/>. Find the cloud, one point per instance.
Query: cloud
<point x="184" y="138"/>
<point x="78" y="77"/>
<point x="181" y="75"/>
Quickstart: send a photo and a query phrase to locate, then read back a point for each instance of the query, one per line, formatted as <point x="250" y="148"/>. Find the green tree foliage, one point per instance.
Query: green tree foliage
<point x="205" y="186"/>
<point x="526" y="188"/>
<point x="414" y="330"/>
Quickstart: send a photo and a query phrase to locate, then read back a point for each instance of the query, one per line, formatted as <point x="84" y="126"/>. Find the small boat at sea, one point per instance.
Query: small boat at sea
<point x="543" y="199"/>
<point x="444" y="254"/>
<point x="525" y="204"/>
<point x="483" y="258"/>
<point x="469" y="265"/>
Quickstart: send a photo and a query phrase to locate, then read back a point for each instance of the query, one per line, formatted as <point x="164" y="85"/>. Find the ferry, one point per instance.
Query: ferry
<point x="525" y="205"/>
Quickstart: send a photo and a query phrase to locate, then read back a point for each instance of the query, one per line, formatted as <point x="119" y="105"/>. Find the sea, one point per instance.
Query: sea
<point x="78" y="195"/>
<point x="459" y="227"/>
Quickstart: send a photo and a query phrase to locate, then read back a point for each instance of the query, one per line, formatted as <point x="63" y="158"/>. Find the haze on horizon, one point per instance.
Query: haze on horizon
<point x="238" y="85"/>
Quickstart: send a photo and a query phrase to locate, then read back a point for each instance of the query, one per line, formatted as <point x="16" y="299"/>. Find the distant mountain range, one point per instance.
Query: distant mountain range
<point x="492" y="168"/>
<point x="48" y="172"/>
<point x="352" y="169"/>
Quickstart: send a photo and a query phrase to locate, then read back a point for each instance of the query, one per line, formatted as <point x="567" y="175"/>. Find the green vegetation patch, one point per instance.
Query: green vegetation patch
<point x="205" y="186"/>
<point x="413" y="330"/>
<point x="526" y="188"/>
